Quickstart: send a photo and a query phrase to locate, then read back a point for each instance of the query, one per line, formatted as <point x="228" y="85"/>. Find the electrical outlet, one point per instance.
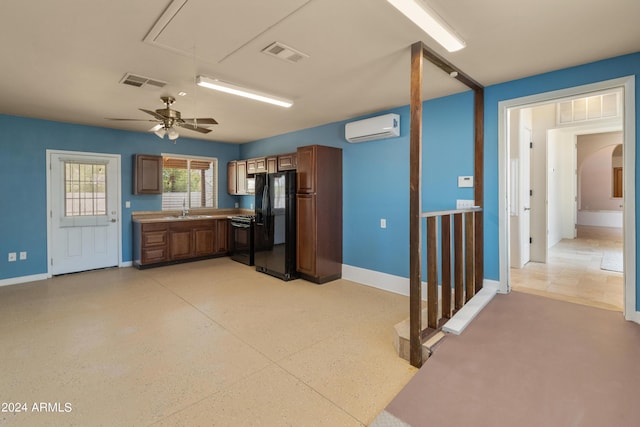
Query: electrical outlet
<point x="127" y="204"/>
<point x="23" y="256"/>
<point x="12" y="256"/>
<point x="464" y="204"/>
<point x="383" y="223"/>
<point x="236" y="205"/>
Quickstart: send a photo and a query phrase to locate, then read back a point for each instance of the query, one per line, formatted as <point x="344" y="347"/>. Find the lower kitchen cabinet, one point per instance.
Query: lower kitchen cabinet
<point x="159" y="243"/>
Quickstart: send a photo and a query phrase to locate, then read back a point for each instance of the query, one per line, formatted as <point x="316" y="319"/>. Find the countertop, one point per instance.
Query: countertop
<point x="174" y="216"/>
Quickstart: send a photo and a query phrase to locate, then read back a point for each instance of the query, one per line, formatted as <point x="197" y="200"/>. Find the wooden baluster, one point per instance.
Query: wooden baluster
<point x="469" y="250"/>
<point x="445" y="239"/>
<point x="479" y="251"/>
<point x="457" y="260"/>
<point x="432" y="273"/>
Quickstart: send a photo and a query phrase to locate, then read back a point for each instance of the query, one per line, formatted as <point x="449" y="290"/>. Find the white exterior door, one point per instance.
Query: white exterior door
<point x="84" y="211"/>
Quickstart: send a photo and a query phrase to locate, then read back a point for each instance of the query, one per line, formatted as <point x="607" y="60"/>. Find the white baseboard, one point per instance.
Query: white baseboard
<point x="126" y="264"/>
<point x="633" y="316"/>
<point x="470" y="310"/>
<point x="23" y="279"/>
<point x="391" y="283"/>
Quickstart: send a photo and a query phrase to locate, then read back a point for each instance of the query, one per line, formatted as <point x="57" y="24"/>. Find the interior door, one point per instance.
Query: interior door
<point x="525" y="195"/>
<point x="84" y="211"/>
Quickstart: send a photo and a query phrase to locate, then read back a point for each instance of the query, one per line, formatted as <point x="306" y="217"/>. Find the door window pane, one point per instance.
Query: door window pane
<point x="85" y="189"/>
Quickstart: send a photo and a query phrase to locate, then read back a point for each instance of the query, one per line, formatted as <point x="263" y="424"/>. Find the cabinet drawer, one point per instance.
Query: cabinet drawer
<point x="154" y="238"/>
<point x="154" y="255"/>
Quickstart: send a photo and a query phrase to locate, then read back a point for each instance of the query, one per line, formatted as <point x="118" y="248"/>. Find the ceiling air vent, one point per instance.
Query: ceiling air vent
<point x="140" y="81"/>
<point x="284" y="52"/>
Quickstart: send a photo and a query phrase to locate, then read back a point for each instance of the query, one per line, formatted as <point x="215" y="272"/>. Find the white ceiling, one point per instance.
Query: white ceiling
<point x="63" y="60"/>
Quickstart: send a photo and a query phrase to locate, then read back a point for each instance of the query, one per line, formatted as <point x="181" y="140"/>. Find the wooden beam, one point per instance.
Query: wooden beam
<point x="478" y="167"/>
<point x="415" y="207"/>
<point x="449" y="68"/>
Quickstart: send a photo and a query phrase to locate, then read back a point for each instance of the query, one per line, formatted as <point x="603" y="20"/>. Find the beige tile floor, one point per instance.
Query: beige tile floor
<point x="209" y="343"/>
<point x="573" y="272"/>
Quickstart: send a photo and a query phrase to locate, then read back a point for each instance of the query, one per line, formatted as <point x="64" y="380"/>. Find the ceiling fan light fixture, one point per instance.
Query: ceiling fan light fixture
<point x="234" y="89"/>
<point x="429" y="21"/>
<point x="160" y="132"/>
<point x="173" y="134"/>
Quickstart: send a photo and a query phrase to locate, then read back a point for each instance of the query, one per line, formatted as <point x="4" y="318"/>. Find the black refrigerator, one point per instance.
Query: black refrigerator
<point x="275" y="226"/>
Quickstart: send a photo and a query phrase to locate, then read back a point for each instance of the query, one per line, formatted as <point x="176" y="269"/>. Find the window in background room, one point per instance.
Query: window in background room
<point x="190" y="182"/>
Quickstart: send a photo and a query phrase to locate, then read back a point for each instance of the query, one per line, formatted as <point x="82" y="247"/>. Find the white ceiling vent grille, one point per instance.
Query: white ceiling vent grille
<point x="284" y="52"/>
<point x="140" y="81"/>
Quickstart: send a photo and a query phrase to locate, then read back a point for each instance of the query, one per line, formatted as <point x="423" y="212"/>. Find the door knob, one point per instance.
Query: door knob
<point x="113" y="220"/>
<point x="527" y="209"/>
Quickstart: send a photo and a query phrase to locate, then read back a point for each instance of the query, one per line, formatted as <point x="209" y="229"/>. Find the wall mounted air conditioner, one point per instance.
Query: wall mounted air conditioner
<point x="386" y="126"/>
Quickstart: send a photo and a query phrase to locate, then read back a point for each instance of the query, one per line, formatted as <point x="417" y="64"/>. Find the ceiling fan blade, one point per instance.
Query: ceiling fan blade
<point x="156" y="127"/>
<point x="202" y="120"/>
<point x="154" y="114"/>
<point x="130" y="120"/>
<point x="196" y="128"/>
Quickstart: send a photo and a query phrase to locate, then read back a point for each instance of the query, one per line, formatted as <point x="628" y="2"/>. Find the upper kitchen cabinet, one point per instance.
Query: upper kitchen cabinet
<point x="232" y="173"/>
<point x="272" y="164"/>
<point x="147" y="176"/>
<point x="237" y="177"/>
<point x="287" y="161"/>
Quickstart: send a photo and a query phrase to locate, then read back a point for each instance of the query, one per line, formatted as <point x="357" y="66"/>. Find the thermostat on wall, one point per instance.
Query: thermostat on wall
<point x="465" y="181"/>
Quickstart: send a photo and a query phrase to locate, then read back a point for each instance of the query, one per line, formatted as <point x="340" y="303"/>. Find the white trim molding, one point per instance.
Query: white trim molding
<point x="629" y="213"/>
<point x="23" y="279"/>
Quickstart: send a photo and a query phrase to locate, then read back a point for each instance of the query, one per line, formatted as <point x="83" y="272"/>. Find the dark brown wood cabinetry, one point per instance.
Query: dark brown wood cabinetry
<point x="147" y="176"/>
<point x="319" y="213"/>
<point x="287" y="161"/>
<point x="232" y="177"/>
<point x="272" y="164"/>
<point x="158" y="243"/>
<point x="237" y="177"/>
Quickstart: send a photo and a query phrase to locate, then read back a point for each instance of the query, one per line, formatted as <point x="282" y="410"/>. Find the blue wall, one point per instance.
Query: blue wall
<point x="376" y="175"/>
<point x="376" y="178"/>
<point x="23" y="145"/>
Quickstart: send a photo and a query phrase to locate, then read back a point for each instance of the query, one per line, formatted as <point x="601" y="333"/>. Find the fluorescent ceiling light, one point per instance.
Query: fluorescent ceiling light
<point x="429" y="22"/>
<point x="231" y="88"/>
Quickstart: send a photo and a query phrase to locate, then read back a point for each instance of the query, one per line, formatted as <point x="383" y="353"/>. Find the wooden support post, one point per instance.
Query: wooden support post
<point x="432" y="272"/>
<point x="445" y="240"/>
<point x="415" y="208"/>
<point x="469" y="251"/>
<point x="479" y="184"/>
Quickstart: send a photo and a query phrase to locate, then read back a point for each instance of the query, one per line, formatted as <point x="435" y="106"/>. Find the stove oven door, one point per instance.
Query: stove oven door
<point x="242" y="243"/>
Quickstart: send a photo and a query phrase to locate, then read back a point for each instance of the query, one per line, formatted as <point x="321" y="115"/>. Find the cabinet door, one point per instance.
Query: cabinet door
<point x="232" y="178"/>
<point x="222" y="237"/>
<point x="272" y="164"/>
<point x="306" y="231"/>
<point x="180" y="244"/>
<point x="261" y="165"/>
<point x="204" y="241"/>
<point x="242" y="177"/>
<point x="306" y="178"/>
<point x="251" y="167"/>
<point x="287" y="161"/>
<point x="148" y="174"/>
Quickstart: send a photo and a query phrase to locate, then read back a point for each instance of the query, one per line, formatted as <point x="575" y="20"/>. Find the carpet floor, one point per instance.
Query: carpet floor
<point x="529" y="361"/>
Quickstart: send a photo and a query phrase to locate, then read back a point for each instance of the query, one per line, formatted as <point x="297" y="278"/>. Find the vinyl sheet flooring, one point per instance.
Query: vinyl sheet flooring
<point x="208" y="343"/>
<point x="528" y="361"/>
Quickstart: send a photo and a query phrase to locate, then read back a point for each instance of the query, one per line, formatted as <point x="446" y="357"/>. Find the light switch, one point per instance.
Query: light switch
<point x="465" y="181"/>
<point x="383" y="223"/>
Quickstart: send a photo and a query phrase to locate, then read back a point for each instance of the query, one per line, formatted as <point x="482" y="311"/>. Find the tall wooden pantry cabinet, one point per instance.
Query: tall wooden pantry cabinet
<point x="319" y="213"/>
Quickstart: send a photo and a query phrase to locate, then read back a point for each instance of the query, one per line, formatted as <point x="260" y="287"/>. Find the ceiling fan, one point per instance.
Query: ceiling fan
<point x="168" y="120"/>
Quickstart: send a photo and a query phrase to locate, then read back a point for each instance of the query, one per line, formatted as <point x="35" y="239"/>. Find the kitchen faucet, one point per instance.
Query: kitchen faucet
<point x="185" y="211"/>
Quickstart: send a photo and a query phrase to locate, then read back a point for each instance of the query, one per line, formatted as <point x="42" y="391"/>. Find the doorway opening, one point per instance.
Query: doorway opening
<point x="561" y="217"/>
